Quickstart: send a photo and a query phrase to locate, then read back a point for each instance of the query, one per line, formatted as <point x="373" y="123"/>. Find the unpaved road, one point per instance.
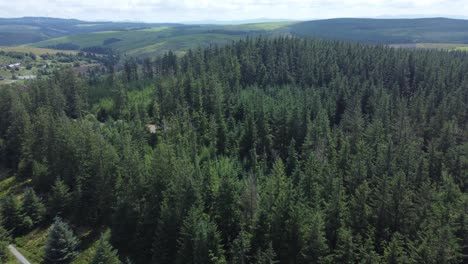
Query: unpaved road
<point x="18" y="255"/>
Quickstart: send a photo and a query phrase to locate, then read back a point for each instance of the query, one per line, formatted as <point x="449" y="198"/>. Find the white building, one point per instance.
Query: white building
<point x="14" y="66"/>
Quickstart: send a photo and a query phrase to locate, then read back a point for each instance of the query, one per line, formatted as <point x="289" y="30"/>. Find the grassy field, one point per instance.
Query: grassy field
<point x="260" y="26"/>
<point x="444" y="46"/>
<point x="439" y="46"/>
<point x="32" y="244"/>
<point x="34" y="50"/>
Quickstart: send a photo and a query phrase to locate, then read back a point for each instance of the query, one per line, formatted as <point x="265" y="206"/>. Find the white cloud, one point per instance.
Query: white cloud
<point x="185" y="10"/>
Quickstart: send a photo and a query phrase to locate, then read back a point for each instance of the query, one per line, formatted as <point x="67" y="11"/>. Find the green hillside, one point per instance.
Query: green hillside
<point x="142" y="39"/>
<point x="17" y="31"/>
<point x="157" y="39"/>
<point x="387" y="31"/>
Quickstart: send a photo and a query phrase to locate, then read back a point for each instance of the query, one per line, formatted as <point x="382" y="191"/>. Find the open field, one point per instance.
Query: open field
<point x="440" y="46"/>
<point x="34" y="50"/>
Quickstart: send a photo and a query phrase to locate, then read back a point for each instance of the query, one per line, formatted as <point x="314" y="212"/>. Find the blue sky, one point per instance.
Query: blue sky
<point x="222" y="10"/>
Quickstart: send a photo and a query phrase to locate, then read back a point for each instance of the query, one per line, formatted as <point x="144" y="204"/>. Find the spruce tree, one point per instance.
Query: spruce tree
<point x="395" y="252"/>
<point x="11" y="212"/>
<point x="59" y="198"/>
<point x="316" y="247"/>
<point x="105" y="253"/>
<point x="33" y="207"/>
<point x="345" y="251"/>
<point x="61" y="244"/>
<point x="4" y="241"/>
<point x="200" y="241"/>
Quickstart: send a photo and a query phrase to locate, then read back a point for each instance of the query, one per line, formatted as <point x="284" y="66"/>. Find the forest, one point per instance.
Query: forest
<point x="280" y="150"/>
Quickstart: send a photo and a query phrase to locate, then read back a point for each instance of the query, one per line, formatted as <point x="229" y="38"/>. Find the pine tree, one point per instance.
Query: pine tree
<point x="292" y="162"/>
<point x="316" y="246"/>
<point x="268" y="256"/>
<point x="178" y="200"/>
<point x="227" y="213"/>
<point x="59" y="198"/>
<point x="240" y="248"/>
<point x="394" y="252"/>
<point x="105" y="253"/>
<point x="61" y="244"/>
<point x="33" y="206"/>
<point x="11" y="213"/>
<point x="366" y="250"/>
<point x="345" y="251"/>
<point x="4" y="242"/>
<point x="360" y="216"/>
<point x="335" y="214"/>
<point x="200" y="241"/>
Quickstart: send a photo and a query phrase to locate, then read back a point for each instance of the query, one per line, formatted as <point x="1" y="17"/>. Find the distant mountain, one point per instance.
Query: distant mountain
<point x="386" y="31"/>
<point x="237" y="22"/>
<point x="16" y="31"/>
<point x="141" y="39"/>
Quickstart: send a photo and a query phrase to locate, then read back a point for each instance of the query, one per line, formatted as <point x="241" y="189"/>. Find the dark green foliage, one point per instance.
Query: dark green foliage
<point x="200" y="241"/>
<point x="263" y="151"/>
<point x="316" y="248"/>
<point x="395" y="252"/>
<point x="61" y="244"/>
<point x="105" y="253"/>
<point x="4" y="242"/>
<point x="226" y="205"/>
<point x="33" y="207"/>
<point x="345" y="251"/>
<point x="59" y="198"/>
<point x="13" y="221"/>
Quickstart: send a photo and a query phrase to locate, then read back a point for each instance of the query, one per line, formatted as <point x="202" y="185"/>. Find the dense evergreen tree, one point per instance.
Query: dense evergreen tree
<point x="182" y="156"/>
<point x="59" y="198"/>
<point x="200" y="241"/>
<point x="105" y="253"/>
<point x="61" y="244"/>
<point x="13" y="221"/>
<point x="4" y="242"/>
<point x="33" y="207"/>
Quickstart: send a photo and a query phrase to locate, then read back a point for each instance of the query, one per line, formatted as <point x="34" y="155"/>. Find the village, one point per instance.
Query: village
<point x="13" y="72"/>
<point x="22" y="66"/>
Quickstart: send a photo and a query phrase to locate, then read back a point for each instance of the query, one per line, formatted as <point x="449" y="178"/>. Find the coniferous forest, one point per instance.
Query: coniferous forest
<point x="278" y="150"/>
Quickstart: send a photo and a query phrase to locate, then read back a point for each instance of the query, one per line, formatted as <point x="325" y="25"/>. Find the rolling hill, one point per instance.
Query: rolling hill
<point x="387" y="31"/>
<point x="141" y="39"/>
<point x="17" y="31"/>
<point x="157" y="40"/>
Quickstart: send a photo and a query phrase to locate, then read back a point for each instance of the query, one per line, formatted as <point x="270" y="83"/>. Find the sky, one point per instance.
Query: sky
<point x="230" y="10"/>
